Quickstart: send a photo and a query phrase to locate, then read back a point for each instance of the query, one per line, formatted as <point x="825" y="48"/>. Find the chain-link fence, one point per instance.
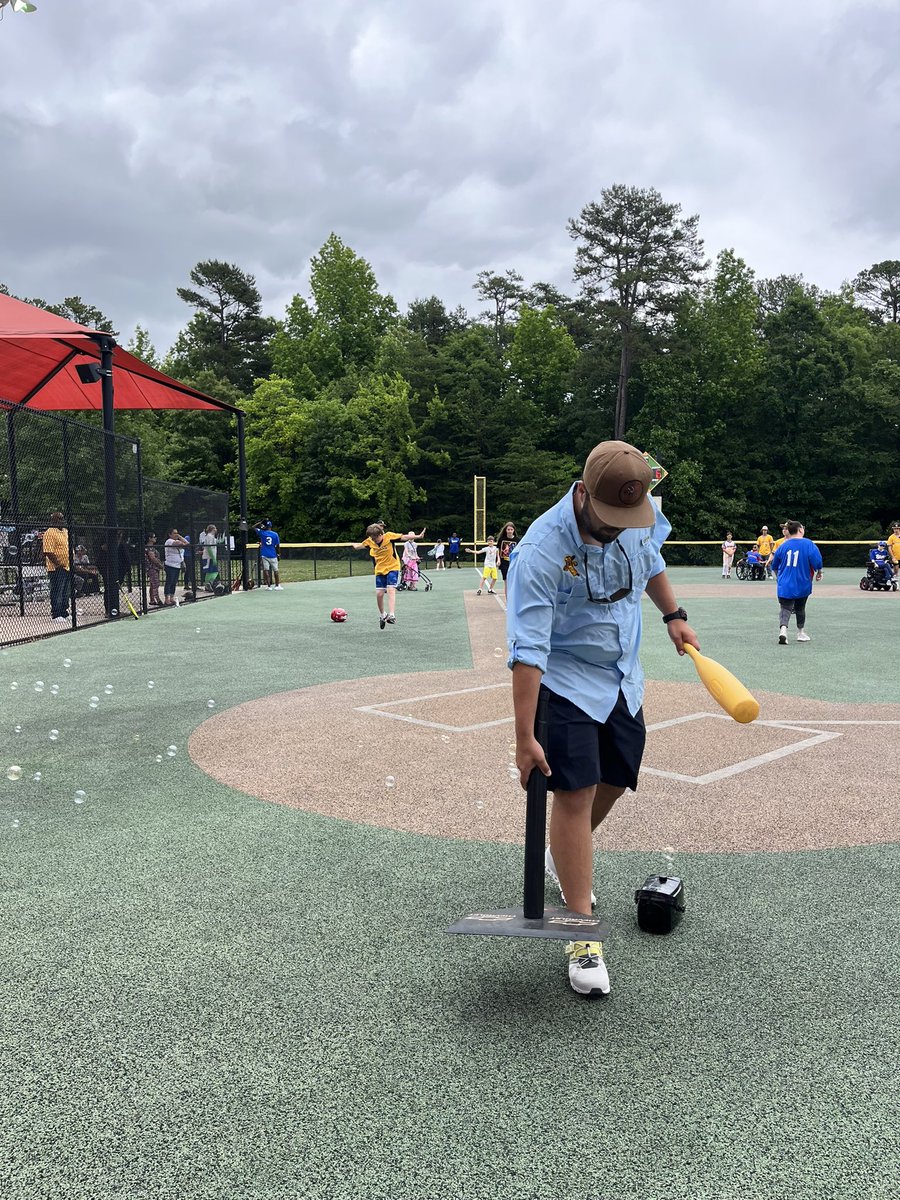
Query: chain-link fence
<point x="178" y="513"/>
<point x="72" y="526"/>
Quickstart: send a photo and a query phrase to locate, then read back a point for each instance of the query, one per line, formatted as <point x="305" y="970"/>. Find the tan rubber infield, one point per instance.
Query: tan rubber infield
<point x="432" y="754"/>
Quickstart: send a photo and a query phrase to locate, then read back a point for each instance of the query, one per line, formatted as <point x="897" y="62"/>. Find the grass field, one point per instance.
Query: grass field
<point x="206" y="995"/>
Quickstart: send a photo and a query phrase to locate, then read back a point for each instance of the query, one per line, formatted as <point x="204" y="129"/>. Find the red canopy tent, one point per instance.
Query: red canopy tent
<point x="40" y="356"/>
<point x="39" y="352"/>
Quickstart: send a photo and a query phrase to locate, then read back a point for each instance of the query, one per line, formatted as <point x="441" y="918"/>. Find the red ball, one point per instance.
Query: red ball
<point x="338" y="614"/>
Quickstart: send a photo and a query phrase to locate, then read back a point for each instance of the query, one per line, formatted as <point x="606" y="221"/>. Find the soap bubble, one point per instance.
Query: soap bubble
<point x="67" y="662"/>
<point x="197" y="630"/>
<point x="37" y="777"/>
<point x="15" y="824"/>
<point x="93" y="703"/>
<point x="151" y="684"/>
<point x="54" y="690"/>
<point x="136" y="737"/>
<point x="13" y="773"/>
<point x="479" y="804"/>
<point x="172" y="751"/>
<point x="113" y="612"/>
<point x="108" y="689"/>
<point x="18" y="729"/>
<point x="53" y="735"/>
<point x="79" y="797"/>
<point x="159" y="758"/>
<point x="390" y="781"/>
<point x="210" y="704"/>
<point x="498" y="652"/>
<point x="512" y="749"/>
<point x="445" y="737"/>
<point x="13" y="686"/>
<point x="39" y="685"/>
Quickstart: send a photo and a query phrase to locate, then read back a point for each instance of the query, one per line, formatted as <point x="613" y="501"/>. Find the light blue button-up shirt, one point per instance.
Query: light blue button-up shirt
<point x="586" y="651"/>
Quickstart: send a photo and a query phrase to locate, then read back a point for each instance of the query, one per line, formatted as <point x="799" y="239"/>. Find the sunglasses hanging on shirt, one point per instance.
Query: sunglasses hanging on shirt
<point x="619" y="593"/>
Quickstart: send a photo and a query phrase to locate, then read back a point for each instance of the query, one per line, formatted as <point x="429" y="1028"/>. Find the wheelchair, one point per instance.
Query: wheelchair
<point x="878" y="579"/>
<point x="752" y="571"/>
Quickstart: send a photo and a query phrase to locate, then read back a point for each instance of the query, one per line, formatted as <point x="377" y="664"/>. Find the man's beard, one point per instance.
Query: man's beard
<point x="602" y="533"/>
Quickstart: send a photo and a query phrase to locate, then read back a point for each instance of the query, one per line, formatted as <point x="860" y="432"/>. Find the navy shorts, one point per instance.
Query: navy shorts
<point x="583" y="752"/>
<point x="386" y="581"/>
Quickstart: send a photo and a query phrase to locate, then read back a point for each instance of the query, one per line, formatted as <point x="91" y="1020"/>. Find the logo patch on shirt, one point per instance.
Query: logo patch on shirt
<point x="571" y="565"/>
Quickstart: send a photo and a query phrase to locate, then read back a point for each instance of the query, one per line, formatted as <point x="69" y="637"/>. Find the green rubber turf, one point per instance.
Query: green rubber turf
<point x="208" y="996"/>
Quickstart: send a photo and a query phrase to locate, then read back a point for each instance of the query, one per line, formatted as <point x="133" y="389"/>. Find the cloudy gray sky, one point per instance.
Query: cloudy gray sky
<point x="437" y="139"/>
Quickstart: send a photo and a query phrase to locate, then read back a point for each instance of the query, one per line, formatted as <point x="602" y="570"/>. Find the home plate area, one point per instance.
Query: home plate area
<point x="430" y="754"/>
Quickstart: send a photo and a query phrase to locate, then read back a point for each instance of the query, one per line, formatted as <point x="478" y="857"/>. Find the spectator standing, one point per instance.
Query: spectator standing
<point x="453" y="546"/>
<point x="765" y="544"/>
<point x="795" y="562"/>
<point x="506" y="543"/>
<point x="58" y="563"/>
<point x="269" y="541"/>
<point x="154" y="565"/>
<point x="175" y="545"/>
<point x="893" y="543"/>
<point x="209" y="564"/>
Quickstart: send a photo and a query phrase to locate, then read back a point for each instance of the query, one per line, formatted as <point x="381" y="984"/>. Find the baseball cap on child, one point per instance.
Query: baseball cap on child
<point x="617" y="480"/>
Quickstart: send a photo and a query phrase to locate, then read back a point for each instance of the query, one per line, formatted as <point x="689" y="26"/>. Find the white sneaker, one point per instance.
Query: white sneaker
<point x="268" y="587"/>
<point x="587" y="970"/>
<point x="782" y="636"/>
<point x="278" y="588"/>
<point x="478" y="593"/>
<point x="550" y="869"/>
<point x="803" y="636"/>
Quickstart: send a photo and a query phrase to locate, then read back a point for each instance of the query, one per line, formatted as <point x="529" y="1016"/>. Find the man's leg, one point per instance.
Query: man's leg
<point x="53" y="579"/>
<point x="571" y="845"/>
<point x="605" y="797"/>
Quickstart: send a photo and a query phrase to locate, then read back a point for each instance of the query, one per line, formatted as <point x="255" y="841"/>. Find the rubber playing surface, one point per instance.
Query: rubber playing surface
<point x="206" y="994"/>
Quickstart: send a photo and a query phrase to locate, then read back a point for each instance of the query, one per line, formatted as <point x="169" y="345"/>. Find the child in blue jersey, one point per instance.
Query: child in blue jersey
<point x="795" y="562"/>
<point x="269" y="541"/>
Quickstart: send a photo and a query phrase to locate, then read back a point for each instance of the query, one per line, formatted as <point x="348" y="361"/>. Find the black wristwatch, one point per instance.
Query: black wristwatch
<point x="678" y="615"/>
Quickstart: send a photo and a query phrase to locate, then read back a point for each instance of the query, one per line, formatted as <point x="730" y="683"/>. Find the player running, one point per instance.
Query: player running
<point x="380" y="543"/>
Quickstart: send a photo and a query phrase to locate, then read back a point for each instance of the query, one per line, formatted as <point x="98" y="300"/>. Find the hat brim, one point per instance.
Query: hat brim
<point x="637" y="516"/>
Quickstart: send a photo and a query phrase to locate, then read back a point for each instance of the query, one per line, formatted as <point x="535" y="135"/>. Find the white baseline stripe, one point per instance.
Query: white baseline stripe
<point x="486" y="687"/>
<point x="748" y="764"/>
<point x="795" y="721"/>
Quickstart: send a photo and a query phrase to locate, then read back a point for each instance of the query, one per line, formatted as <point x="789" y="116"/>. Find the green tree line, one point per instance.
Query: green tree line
<point x="764" y="398"/>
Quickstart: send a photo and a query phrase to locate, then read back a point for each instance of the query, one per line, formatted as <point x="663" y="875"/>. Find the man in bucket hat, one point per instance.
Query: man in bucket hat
<point x="574" y="628"/>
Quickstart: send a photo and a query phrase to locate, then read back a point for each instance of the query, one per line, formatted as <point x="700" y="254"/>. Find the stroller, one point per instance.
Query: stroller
<point x="879" y="576"/>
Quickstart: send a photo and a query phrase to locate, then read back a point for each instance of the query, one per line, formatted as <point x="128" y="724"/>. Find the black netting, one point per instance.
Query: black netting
<point x="73" y="526"/>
